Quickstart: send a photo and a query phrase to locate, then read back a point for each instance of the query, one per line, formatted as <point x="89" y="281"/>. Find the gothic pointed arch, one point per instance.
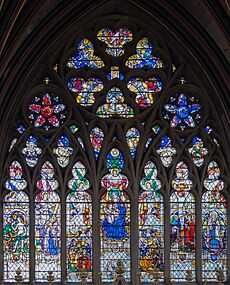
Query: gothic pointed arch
<point x="115" y="156"/>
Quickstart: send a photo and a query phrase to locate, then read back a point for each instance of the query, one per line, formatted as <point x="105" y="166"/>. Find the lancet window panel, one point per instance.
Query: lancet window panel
<point x="111" y="155"/>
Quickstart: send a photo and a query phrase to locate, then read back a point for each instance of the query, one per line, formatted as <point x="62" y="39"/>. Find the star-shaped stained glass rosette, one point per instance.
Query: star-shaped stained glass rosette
<point x="182" y="111"/>
<point x="47" y="111"/>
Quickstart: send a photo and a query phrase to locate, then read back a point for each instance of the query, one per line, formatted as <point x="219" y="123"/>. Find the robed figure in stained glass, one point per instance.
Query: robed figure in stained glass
<point x="115" y="213"/>
<point x="115" y="216"/>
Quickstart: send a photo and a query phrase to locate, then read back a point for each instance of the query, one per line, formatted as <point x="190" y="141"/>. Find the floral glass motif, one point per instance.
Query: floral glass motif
<point x="47" y="226"/>
<point x="16" y="235"/>
<point x="183" y="111"/>
<point x="85" y="89"/>
<point x="214" y="225"/>
<point x="115" y="40"/>
<point x="145" y="90"/>
<point x="166" y="151"/>
<point x="79" y="225"/>
<point x="63" y="151"/>
<point x="85" y="56"/>
<point x="132" y="138"/>
<point x="31" y="151"/>
<point x="47" y="111"/>
<point x="115" y="105"/>
<point x="16" y="181"/>
<point x="115" y="218"/>
<point x="151" y="225"/>
<point x="144" y="56"/>
<point x="96" y="137"/>
<point x="182" y="225"/>
<point x="198" y="151"/>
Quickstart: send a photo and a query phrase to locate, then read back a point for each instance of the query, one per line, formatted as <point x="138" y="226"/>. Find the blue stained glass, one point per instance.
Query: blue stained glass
<point x="132" y="138"/>
<point x="182" y="111"/>
<point x="214" y="226"/>
<point x="16" y="181"/>
<point x="85" y="56"/>
<point x="47" y="226"/>
<point x="115" y="40"/>
<point x="79" y="226"/>
<point x="149" y="140"/>
<point x="115" y="73"/>
<point x="63" y="151"/>
<point x="115" y="159"/>
<point x="21" y="129"/>
<point x="144" y="56"/>
<point x="31" y="151"/>
<point x="16" y="235"/>
<point x="85" y="89"/>
<point x="166" y="151"/>
<point x="156" y="129"/>
<point x="151" y="226"/>
<point x="182" y="225"/>
<point x="198" y="151"/>
<point x="115" y="218"/>
<point x="145" y="90"/>
<point x="115" y="105"/>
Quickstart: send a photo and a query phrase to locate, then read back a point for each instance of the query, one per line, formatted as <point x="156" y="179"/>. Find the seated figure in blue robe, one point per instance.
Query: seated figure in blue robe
<point x="114" y="222"/>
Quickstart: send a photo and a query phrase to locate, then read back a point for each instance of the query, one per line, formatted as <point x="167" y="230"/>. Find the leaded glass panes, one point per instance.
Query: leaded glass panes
<point x="115" y="40"/>
<point x="16" y="235"/>
<point x="85" y="56"/>
<point x="116" y="101"/>
<point x="115" y="105"/>
<point x="151" y="226"/>
<point x="63" y="151"/>
<point x="79" y="226"/>
<point x="115" y="218"/>
<point x="214" y="225"/>
<point x="47" y="226"/>
<point x="182" y="225"/>
<point x="144" y="56"/>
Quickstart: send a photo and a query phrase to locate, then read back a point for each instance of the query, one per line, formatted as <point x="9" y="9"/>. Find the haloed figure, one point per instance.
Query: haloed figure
<point x="115" y="214"/>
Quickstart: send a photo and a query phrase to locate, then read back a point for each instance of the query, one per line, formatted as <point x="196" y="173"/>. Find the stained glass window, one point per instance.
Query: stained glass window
<point x="16" y="235"/>
<point x="109" y="159"/>
<point x="79" y="225"/>
<point x="182" y="225"/>
<point x="214" y="225"/>
<point x="47" y="225"/>
<point x="151" y="226"/>
<point x="115" y="217"/>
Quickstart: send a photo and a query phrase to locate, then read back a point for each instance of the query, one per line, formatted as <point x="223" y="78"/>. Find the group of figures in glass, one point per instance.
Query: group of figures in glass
<point x="46" y="230"/>
<point x="115" y="222"/>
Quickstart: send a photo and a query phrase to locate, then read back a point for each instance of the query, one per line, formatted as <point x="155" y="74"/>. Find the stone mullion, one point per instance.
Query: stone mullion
<point x="32" y="234"/>
<point x="228" y="239"/>
<point x="96" y="254"/>
<point x="1" y="239"/>
<point x="167" y="238"/>
<point x="134" y="244"/>
<point x="63" y="236"/>
<point x="198" y="239"/>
